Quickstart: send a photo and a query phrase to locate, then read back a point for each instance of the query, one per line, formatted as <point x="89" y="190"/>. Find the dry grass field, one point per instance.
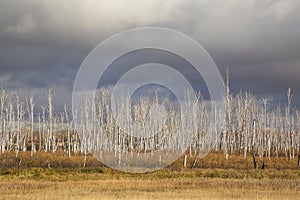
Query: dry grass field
<point x="149" y="188"/>
<point x="48" y="176"/>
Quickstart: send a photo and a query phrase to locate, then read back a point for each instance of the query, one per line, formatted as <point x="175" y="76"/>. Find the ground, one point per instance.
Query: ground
<point x="213" y="178"/>
<point x="152" y="188"/>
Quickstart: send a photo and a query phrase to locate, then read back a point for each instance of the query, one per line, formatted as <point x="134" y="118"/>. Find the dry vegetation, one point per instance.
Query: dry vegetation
<point x="45" y="155"/>
<point x="214" y="160"/>
<point x="153" y="188"/>
<point x="57" y="176"/>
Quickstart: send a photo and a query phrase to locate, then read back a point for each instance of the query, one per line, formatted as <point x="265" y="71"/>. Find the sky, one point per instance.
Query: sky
<point x="44" y="42"/>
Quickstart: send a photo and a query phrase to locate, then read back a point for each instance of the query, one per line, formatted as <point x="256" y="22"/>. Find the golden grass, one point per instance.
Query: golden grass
<point x="214" y="160"/>
<point x="137" y="188"/>
<point x="55" y="176"/>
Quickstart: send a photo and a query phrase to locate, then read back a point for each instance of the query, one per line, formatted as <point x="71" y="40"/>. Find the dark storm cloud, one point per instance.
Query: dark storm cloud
<point x="42" y="43"/>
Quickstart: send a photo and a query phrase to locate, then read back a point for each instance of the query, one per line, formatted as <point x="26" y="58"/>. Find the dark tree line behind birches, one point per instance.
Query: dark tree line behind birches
<point x="249" y="126"/>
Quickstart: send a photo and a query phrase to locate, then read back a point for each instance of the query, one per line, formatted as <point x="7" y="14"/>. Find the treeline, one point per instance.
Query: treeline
<point x="247" y="125"/>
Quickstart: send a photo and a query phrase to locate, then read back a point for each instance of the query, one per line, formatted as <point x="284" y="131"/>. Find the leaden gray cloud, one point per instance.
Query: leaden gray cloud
<point x="42" y="43"/>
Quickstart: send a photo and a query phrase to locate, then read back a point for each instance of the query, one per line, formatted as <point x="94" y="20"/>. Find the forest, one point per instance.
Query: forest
<point x="248" y="125"/>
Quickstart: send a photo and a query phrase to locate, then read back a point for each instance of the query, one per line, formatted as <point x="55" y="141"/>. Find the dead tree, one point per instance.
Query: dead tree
<point x="288" y="125"/>
<point x="3" y="97"/>
<point x="253" y="144"/>
<point x="50" y="120"/>
<point x="68" y="130"/>
<point x="31" y="107"/>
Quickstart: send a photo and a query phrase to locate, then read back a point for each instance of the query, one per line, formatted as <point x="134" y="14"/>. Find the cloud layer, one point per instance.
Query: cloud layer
<point x="42" y="43"/>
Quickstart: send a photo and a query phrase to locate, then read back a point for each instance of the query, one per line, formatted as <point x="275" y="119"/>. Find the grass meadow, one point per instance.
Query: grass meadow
<point x="56" y="176"/>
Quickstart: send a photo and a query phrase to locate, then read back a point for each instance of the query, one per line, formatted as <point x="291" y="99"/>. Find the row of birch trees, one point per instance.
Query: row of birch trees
<point x="248" y="125"/>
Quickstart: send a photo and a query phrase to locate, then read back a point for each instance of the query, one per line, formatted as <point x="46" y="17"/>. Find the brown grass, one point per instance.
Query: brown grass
<point x="136" y="188"/>
<point x="214" y="160"/>
<point x="55" y="176"/>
